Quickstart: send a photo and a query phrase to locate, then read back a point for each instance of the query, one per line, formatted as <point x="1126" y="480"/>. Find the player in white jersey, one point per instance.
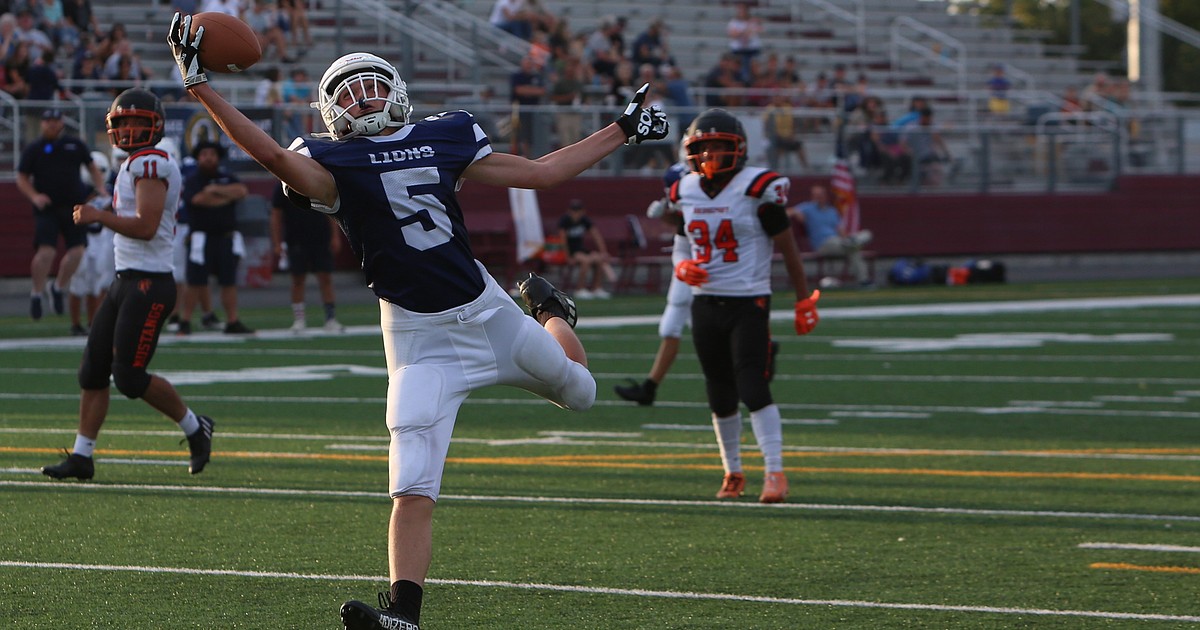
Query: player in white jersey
<point x="125" y="330"/>
<point x="735" y="218"/>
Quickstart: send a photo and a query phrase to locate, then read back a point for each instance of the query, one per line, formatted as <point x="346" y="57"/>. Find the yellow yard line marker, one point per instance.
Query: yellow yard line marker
<point x="640" y="462"/>
<point x="1124" y="566"/>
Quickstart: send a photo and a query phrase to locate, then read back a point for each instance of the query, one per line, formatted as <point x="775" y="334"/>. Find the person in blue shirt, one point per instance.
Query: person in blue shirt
<point x="823" y="222"/>
<point x="390" y="183"/>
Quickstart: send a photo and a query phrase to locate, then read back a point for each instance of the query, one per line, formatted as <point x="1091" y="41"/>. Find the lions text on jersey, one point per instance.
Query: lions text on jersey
<point x="726" y="232"/>
<point x="157" y="254"/>
<point x="396" y="204"/>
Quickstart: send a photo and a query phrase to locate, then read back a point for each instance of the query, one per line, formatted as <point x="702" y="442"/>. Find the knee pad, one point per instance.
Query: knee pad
<point x="674" y="318"/>
<point x="417" y="455"/>
<point x="566" y="383"/>
<point x="130" y="381"/>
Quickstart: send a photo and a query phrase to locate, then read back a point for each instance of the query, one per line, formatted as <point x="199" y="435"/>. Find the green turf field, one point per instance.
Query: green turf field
<point x="978" y="457"/>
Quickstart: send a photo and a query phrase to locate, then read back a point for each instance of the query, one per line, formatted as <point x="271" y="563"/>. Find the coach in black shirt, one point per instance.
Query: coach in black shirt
<point x="48" y="174"/>
<point x="215" y="246"/>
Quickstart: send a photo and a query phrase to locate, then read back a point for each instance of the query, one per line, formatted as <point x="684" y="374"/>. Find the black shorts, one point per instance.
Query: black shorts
<point x="219" y="261"/>
<point x="733" y="337"/>
<point x="54" y="220"/>
<point x="309" y="255"/>
<point x="125" y="330"/>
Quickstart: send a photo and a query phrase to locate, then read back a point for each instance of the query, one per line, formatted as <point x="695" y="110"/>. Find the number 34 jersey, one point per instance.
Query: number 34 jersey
<point x="397" y="205"/>
<point x="726" y="231"/>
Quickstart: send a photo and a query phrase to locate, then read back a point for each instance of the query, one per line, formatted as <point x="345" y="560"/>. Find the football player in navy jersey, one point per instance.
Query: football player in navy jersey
<point x="448" y="327"/>
<point x="735" y="218"/>
<point x="124" y="333"/>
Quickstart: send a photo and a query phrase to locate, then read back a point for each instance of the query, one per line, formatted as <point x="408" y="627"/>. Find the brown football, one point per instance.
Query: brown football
<point x="228" y="44"/>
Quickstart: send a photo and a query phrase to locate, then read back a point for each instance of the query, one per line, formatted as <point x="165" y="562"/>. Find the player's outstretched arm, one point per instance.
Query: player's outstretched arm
<point x="635" y="125"/>
<point x="299" y="172"/>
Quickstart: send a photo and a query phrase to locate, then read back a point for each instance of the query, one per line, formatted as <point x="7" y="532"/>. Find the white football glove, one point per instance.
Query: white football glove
<point x="187" y="53"/>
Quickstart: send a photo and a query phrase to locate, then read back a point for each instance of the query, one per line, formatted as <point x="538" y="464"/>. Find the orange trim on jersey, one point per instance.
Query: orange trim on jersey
<point x="759" y="185"/>
<point x="153" y="150"/>
<point x="673" y="193"/>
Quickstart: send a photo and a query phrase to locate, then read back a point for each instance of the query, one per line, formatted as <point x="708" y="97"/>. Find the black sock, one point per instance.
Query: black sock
<point x="406" y="599"/>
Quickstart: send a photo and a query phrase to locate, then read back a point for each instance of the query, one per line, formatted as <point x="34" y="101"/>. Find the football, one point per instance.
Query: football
<point x="229" y="44"/>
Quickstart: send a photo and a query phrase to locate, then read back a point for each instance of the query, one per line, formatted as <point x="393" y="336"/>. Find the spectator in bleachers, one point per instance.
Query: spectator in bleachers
<point x="745" y="37"/>
<point x="998" y="86"/>
<point x="789" y="72"/>
<point x="107" y="43"/>
<point x="783" y="139"/>
<point x="52" y="22"/>
<point x="1096" y="93"/>
<point x="560" y="40"/>
<point x="623" y="83"/>
<point x="651" y="46"/>
<point x="228" y="7"/>
<point x="566" y="94"/>
<point x="297" y="15"/>
<point x="87" y="68"/>
<point x="540" y="18"/>
<point x="268" y="23"/>
<point x="15" y="67"/>
<point x="129" y="73"/>
<point x="79" y="14"/>
<point x="927" y="148"/>
<point x="601" y="52"/>
<point x="297" y="94"/>
<point x="27" y="31"/>
<point x="574" y="228"/>
<point x="724" y="76"/>
<point x="915" y="105"/>
<point x="1070" y="101"/>
<point x="823" y="222"/>
<point x="677" y="91"/>
<point x="8" y="36"/>
<point x="617" y="36"/>
<point x="527" y="87"/>
<point x="510" y="16"/>
<point x="269" y="91"/>
<point x="854" y="96"/>
<point x="44" y="79"/>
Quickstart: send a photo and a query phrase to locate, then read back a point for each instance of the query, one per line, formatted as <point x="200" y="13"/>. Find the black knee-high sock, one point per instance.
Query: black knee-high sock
<point x="406" y="599"/>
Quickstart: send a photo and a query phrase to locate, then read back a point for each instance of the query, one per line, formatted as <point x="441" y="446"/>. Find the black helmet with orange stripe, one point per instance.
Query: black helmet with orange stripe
<point x="715" y="143"/>
<point x="135" y="119"/>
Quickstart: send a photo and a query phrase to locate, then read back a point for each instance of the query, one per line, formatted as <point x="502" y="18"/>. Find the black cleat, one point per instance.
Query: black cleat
<point x="35" y="307"/>
<point x="210" y="322"/>
<point x="78" y="331"/>
<point x="771" y="354"/>
<point x="359" y="616"/>
<point x="636" y="392"/>
<point x="185" y="328"/>
<point x="74" y="465"/>
<point x="56" y="299"/>
<point x="200" y="444"/>
<point x="544" y="301"/>
<point x="238" y="328"/>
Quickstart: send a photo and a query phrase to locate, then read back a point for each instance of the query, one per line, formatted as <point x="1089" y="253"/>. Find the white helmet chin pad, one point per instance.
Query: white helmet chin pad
<point x="371" y="79"/>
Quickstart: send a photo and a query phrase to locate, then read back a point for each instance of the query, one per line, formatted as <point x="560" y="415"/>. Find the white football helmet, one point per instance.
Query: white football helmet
<point x="101" y="161"/>
<point x="361" y="74"/>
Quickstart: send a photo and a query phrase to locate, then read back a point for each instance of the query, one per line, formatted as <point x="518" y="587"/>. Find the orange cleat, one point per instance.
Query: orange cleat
<point x="732" y="486"/>
<point x="775" y="488"/>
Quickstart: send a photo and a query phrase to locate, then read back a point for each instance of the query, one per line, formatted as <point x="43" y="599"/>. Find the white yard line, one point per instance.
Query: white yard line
<point x="1139" y="547"/>
<point x="631" y="592"/>
<point x="729" y="505"/>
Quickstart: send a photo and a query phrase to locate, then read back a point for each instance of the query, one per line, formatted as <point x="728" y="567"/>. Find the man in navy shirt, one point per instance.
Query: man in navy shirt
<point x="48" y="174"/>
<point x="448" y="327"/>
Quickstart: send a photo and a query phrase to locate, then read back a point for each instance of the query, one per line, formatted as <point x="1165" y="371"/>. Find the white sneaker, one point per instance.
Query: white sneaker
<point x="601" y="294"/>
<point x="334" y="326"/>
<point x="583" y="294"/>
<point x="298" y="326"/>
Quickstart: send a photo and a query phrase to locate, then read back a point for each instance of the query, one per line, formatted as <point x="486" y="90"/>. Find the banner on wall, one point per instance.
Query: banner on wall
<point x="190" y="126"/>
<point x="527" y="218"/>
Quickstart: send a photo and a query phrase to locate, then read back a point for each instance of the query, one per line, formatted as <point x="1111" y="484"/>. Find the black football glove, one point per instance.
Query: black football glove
<point x="187" y="53"/>
<point x="643" y="123"/>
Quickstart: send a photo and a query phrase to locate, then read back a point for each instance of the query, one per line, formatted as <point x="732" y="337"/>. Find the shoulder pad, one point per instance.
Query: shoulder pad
<point x="771" y="187"/>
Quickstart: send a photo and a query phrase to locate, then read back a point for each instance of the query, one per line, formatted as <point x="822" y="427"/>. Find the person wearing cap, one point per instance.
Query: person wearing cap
<point x="48" y="174"/>
<point x="574" y="227"/>
<point x="215" y="246"/>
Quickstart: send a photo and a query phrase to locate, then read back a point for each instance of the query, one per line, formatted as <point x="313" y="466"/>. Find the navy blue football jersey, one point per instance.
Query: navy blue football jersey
<point x="397" y="206"/>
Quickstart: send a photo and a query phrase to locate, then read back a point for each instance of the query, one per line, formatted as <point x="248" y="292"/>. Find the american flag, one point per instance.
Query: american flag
<point x="845" y="197"/>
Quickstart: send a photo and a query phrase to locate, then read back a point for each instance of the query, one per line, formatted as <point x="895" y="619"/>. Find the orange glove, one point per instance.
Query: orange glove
<point x="691" y="272"/>
<point x="806" y="313"/>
